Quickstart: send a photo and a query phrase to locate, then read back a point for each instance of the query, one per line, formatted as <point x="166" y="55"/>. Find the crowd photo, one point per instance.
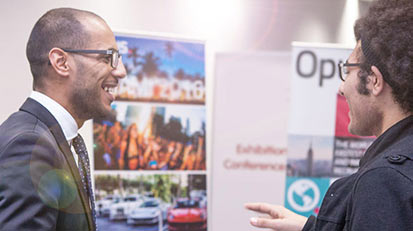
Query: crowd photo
<point x="150" y="138"/>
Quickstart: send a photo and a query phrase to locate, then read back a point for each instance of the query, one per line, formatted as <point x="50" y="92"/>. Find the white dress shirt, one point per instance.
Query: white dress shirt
<point x="63" y="117"/>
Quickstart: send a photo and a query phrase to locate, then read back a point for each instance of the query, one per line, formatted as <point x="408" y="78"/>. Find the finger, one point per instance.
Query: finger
<point x="265" y="223"/>
<point x="255" y="206"/>
<point x="264" y="215"/>
<point x="272" y="210"/>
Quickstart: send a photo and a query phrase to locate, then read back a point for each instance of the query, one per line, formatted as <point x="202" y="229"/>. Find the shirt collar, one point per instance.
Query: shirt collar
<point x="63" y="117"/>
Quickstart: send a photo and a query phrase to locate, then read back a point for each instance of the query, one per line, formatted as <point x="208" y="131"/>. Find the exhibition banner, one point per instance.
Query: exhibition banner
<point x="150" y="164"/>
<point x="251" y="92"/>
<point x="320" y="149"/>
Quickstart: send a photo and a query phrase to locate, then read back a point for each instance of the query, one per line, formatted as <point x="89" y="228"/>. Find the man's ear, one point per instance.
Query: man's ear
<point x="376" y="81"/>
<point x="58" y="60"/>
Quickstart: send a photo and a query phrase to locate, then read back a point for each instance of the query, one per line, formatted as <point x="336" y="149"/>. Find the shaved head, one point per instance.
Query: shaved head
<point x="61" y="27"/>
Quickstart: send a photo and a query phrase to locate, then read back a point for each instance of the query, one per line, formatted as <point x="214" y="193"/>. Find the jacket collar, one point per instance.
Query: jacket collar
<point x="62" y="116"/>
<point x="40" y="112"/>
<point x="398" y="133"/>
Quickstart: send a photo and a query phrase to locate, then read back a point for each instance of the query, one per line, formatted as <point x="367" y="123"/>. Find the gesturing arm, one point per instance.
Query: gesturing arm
<point x="279" y="218"/>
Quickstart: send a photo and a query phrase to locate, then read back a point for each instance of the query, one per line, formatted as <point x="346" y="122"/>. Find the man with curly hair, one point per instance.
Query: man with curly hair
<point x="378" y="86"/>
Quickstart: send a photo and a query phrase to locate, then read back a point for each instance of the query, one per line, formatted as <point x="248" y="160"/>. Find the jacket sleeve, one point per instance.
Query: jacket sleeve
<point x="382" y="200"/>
<point x="310" y="224"/>
<point x="30" y="185"/>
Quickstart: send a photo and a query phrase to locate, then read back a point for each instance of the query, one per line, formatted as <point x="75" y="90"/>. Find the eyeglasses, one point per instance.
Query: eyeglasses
<point x="114" y="54"/>
<point x="342" y="69"/>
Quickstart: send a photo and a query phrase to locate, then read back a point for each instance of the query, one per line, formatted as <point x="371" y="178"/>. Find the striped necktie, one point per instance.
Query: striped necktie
<point x="84" y="171"/>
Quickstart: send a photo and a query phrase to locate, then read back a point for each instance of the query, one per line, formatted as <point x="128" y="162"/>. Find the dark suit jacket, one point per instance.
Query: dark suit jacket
<point x="40" y="186"/>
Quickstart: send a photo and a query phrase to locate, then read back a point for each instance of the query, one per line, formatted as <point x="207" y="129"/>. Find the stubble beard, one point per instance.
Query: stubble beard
<point x="367" y="123"/>
<point x="87" y="98"/>
<point x="87" y="104"/>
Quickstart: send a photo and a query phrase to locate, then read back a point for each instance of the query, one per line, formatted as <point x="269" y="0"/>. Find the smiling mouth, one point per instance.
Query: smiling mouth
<point x="111" y="89"/>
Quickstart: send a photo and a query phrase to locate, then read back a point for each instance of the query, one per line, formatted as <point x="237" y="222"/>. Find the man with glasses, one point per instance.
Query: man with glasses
<point x="45" y="180"/>
<point x="378" y="86"/>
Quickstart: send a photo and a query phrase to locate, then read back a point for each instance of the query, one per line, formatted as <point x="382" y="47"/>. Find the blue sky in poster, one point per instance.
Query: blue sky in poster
<point x="141" y="114"/>
<point x="188" y="56"/>
<point x="298" y="146"/>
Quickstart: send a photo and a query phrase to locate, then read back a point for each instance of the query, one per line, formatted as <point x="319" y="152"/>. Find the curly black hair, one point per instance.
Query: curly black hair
<point x="386" y="34"/>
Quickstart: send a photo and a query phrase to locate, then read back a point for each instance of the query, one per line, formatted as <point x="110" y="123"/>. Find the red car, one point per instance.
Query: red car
<point x="187" y="215"/>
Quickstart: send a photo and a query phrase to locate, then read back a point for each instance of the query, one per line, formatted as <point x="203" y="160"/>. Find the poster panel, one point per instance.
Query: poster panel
<point x="161" y="70"/>
<point x="250" y="134"/>
<point x="148" y="137"/>
<point x="138" y="201"/>
<point x="320" y="149"/>
<point x="150" y="155"/>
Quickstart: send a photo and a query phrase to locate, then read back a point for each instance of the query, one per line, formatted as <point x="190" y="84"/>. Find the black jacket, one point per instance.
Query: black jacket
<point x="379" y="196"/>
<point x="40" y="186"/>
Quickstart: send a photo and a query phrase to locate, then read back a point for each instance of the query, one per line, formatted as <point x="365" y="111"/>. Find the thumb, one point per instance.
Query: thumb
<point x="274" y="224"/>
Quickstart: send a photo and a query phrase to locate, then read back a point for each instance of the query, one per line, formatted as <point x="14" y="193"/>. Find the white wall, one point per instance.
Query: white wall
<point x="229" y="25"/>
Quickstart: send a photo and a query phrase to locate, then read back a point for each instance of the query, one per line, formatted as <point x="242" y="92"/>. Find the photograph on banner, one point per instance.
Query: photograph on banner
<point x="147" y="137"/>
<point x="161" y="70"/>
<point x="309" y="156"/>
<point x="138" y="201"/>
<point x="348" y="148"/>
<point x="303" y="195"/>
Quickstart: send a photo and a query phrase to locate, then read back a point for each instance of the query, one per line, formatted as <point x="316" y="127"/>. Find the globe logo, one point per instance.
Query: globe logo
<point x="303" y="195"/>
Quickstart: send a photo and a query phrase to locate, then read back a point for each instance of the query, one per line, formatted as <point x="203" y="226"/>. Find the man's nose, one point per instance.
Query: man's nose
<point x="120" y="70"/>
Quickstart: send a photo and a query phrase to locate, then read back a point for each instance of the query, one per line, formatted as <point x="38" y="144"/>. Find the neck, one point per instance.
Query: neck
<point x="63" y="101"/>
<point x="80" y="123"/>
<point x="391" y="117"/>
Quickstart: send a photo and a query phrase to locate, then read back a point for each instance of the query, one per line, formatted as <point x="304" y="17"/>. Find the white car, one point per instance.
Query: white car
<point x="200" y="196"/>
<point x="150" y="212"/>
<point x="120" y="211"/>
<point x="103" y="206"/>
<point x="198" y="193"/>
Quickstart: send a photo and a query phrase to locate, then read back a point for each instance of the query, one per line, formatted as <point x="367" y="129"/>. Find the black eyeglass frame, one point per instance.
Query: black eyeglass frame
<point x="114" y="54"/>
<point x="343" y="70"/>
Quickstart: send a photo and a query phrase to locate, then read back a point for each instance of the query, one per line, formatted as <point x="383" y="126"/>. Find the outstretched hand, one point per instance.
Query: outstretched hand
<point x="280" y="218"/>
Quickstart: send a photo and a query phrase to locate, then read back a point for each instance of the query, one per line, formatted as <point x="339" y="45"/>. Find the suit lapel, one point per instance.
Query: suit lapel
<point x="33" y="107"/>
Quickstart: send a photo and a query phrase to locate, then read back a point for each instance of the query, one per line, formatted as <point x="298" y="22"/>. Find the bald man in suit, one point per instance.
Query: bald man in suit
<point x="44" y="183"/>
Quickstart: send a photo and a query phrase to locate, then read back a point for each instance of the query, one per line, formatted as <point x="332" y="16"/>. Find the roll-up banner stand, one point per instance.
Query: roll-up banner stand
<point x="150" y="162"/>
<point x="249" y="133"/>
<point x="320" y="149"/>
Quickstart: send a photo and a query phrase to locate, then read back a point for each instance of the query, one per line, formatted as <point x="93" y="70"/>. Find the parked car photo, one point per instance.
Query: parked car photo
<point x="187" y="215"/>
<point x="149" y="212"/>
<point x="197" y="194"/>
<point x="120" y="211"/>
<point x="200" y="196"/>
<point x="103" y="206"/>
